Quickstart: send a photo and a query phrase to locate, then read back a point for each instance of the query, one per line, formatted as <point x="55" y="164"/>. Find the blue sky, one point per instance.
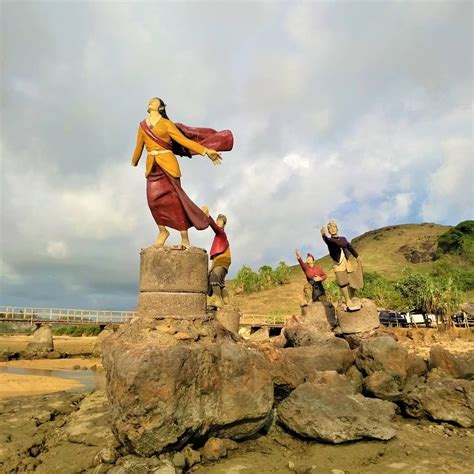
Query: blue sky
<point x="358" y="111"/>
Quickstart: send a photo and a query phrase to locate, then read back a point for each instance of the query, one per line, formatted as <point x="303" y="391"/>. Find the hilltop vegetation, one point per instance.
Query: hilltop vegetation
<point x="439" y="258"/>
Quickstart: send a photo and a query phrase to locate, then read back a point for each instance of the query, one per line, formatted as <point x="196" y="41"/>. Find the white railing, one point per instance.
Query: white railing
<point x="99" y="316"/>
<point x="64" y="315"/>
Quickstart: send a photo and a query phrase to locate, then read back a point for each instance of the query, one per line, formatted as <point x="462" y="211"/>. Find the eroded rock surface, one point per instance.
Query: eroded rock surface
<point x="331" y="415"/>
<point x="449" y="400"/>
<point x="176" y="381"/>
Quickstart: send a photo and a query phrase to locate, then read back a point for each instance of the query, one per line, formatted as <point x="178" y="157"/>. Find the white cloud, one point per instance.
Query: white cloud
<point x="57" y="249"/>
<point x="450" y="192"/>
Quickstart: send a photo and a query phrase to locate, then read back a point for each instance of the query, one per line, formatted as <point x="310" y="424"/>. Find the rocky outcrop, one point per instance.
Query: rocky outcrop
<point x="442" y="400"/>
<point x="364" y="320"/>
<point x="321" y="413"/>
<point x="165" y="396"/>
<point x="42" y="340"/>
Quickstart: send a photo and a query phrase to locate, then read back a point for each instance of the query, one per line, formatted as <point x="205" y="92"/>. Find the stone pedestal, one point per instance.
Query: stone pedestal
<point x="364" y="320"/>
<point x="172" y="282"/>
<point x="174" y="374"/>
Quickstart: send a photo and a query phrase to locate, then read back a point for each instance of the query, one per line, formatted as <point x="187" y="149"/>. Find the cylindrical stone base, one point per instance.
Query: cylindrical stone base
<point x="155" y="304"/>
<point x="173" y="282"/>
<point x="167" y="269"/>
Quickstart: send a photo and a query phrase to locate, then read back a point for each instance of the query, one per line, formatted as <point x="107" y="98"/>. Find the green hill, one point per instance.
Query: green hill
<point x="386" y="251"/>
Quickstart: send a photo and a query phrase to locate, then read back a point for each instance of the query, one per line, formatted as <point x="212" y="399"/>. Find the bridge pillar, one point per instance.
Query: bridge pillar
<point x="172" y="282"/>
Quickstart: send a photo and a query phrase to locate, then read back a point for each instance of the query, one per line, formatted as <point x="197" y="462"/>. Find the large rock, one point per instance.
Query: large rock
<point x="318" y="412"/>
<point x="461" y="366"/>
<point x="300" y="331"/>
<point x="229" y="317"/>
<point x="180" y="381"/>
<point x="292" y="366"/>
<point x="321" y="315"/>
<point x="42" y="340"/>
<point x="107" y="331"/>
<point x="382" y="354"/>
<point x="364" y="320"/>
<point x="442" y="400"/>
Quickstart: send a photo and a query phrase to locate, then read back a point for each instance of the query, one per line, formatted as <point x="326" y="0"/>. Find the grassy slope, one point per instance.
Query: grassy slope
<point x="380" y="253"/>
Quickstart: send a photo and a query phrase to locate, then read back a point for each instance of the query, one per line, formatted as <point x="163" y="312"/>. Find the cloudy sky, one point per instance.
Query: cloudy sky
<point x="358" y="111"/>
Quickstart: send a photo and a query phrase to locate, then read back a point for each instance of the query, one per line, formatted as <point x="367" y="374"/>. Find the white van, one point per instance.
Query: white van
<point x="415" y="318"/>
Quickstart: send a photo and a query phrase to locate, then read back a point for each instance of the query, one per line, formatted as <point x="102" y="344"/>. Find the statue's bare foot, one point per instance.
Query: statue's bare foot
<point x="185" y="243"/>
<point x="162" y="237"/>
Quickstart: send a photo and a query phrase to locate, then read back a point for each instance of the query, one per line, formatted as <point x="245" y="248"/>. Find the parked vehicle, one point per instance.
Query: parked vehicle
<point x="393" y="318"/>
<point x="417" y="318"/>
<point x="463" y="319"/>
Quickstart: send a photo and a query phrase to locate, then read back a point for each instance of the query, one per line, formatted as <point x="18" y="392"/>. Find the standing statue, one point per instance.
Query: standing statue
<point x="314" y="289"/>
<point x="221" y="260"/>
<point x="347" y="278"/>
<point x="163" y="139"/>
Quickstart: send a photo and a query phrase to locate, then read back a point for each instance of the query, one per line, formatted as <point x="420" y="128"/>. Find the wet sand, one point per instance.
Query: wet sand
<point x="21" y="378"/>
<point x="15" y="385"/>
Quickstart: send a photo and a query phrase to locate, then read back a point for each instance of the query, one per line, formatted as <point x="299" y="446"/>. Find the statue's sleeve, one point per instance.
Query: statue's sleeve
<point x="352" y="250"/>
<point x="177" y="136"/>
<point x="138" y="148"/>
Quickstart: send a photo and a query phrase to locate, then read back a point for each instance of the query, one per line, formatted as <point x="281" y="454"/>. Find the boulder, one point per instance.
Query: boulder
<point x="449" y="400"/>
<point x="384" y="386"/>
<point x="461" y="366"/>
<point x="107" y="331"/>
<point x="364" y="320"/>
<point x="331" y="415"/>
<point x="299" y="332"/>
<point x="292" y="366"/>
<point x="42" y="339"/>
<point x="166" y="392"/>
<point x="229" y="317"/>
<point x="321" y="315"/>
<point x="382" y="354"/>
<point x="355" y="340"/>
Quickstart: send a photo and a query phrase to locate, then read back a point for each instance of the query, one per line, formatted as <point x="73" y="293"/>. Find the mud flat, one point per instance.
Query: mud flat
<point x="70" y="432"/>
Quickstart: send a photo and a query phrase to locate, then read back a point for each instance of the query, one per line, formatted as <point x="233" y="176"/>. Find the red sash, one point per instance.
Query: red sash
<point x="156" y="139"/>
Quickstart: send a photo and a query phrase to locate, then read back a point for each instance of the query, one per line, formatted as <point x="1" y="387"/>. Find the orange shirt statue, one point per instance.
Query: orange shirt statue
<point x="169" y="204"/>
